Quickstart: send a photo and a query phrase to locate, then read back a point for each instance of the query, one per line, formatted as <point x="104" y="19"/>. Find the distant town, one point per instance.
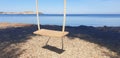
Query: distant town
<point x="24" y="12"/>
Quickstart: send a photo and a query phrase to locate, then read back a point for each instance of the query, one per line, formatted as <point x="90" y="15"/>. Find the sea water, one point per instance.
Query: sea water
<point x="57" y="19"/>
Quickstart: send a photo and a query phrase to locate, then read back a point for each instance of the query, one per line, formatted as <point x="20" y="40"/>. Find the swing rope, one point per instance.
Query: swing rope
<point x="64" y="19"/>
<point x="38" y="19"/>
<point x="37" y="13"/>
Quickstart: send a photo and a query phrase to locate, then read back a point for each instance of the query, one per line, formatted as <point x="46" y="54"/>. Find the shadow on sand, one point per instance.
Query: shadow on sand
<point x="54" y="49"/>
<point x="107" y="37"/>
<point x="9" y="37"/>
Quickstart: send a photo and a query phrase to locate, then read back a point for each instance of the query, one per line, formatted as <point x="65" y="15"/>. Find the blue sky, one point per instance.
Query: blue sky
<point x="56" y="6"/>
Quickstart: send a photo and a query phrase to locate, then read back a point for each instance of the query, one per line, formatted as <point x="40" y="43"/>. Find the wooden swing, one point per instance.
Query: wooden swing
<point x="51" y="33"/>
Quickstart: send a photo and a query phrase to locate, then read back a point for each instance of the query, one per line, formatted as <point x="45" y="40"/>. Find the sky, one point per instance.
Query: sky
<point x="56" y="6"/>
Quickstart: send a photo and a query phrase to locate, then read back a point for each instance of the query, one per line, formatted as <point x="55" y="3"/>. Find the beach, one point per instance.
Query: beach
<point x="18" y="41"/>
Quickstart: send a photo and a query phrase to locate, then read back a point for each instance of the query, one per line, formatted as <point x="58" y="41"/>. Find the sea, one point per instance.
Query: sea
<point x="97" y="20"/>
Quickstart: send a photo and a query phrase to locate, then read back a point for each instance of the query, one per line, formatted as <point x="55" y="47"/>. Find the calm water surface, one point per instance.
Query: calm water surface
<point x="72" y="20"/>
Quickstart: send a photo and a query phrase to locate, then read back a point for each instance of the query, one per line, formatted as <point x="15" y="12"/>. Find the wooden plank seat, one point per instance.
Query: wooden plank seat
<point x="50" y="33"/>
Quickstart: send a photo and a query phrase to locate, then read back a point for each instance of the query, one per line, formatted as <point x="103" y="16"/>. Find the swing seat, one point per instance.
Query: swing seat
<point x="50" y="33"/>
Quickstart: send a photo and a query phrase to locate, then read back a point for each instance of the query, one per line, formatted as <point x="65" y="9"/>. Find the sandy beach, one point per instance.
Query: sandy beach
<point x="18" y="41"/>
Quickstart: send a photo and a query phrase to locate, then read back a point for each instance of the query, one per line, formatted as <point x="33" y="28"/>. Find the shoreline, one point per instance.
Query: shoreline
<point x="9" y="25"/>
<point x="4" y="25"/>
<point x="55" y="25"/>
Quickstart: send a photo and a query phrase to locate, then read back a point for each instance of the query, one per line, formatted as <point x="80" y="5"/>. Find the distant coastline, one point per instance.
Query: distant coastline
<point x="43" y="14"/>
<point x="24" y="12"/>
